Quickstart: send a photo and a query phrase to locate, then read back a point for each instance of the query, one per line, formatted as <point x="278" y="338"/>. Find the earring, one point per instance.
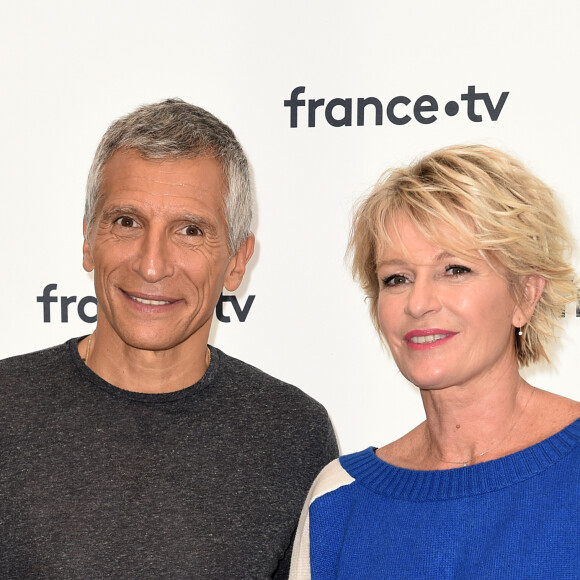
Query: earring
<point x="520" y="332"/>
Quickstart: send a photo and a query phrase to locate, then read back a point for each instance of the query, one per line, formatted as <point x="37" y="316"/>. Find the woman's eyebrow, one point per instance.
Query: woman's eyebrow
<point x="439" y="257"/>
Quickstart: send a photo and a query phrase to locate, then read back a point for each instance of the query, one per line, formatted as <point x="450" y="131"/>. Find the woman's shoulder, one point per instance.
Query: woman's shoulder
<point x="331" y="478"/>
<point x="550" y="414"/>
<point x="553" y="413"/>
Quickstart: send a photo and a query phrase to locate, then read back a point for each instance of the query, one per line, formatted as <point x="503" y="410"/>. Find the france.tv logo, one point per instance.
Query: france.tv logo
<point x="399" y="110"/>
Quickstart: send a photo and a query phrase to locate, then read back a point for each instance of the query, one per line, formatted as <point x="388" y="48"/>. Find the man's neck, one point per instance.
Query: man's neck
<point x="147" y="371"/>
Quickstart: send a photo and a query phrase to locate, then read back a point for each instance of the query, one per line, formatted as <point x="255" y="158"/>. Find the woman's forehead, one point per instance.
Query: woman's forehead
<point x="455" y="239"/>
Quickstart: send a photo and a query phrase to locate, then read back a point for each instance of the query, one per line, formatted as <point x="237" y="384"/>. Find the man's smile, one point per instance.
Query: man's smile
<point x="149" y="302"/>
<point x="149" y="299"/>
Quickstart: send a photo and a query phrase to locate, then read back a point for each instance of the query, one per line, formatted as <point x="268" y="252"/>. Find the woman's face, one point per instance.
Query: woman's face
<point x="448" y="321"/>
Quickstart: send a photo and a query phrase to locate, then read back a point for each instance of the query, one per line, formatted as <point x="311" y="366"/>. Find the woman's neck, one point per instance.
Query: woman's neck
<point x="467" y="425"/>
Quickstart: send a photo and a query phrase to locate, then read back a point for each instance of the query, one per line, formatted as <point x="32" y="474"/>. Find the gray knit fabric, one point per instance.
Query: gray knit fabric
<point x="97" y="482"/>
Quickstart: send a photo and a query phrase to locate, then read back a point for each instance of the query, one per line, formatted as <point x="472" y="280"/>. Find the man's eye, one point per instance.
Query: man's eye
<point x="126" y="222"/>
<point x="192" y="230"/>
<point x="454" y="270"/>
<point x="395" y="280"/>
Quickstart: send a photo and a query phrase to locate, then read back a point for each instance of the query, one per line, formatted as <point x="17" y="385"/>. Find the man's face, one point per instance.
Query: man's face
<point x="159" y="251"/>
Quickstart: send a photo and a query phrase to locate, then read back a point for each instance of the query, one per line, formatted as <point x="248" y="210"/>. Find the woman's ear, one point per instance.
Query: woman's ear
<point x="533" y="287"/>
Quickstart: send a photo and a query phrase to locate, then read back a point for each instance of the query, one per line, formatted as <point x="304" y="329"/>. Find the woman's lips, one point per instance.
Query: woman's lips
<point x="428" y="338"/>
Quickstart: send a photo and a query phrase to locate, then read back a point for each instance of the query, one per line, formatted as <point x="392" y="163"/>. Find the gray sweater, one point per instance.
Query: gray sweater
<point x="99" y="482"/>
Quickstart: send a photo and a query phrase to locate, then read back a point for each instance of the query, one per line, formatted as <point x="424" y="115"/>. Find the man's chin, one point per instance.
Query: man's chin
<point x="149" y="342"/>
<point x="156" y="336"/>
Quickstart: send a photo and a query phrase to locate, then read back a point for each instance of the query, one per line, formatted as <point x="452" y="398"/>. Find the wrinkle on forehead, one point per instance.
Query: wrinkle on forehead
<point x="127" y="173"/>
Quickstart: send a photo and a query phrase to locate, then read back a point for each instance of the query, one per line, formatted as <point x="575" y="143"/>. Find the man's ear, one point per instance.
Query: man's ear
<point x="531" y="294"/>
<point x="88" y="263"/>
<point x="237" y="265"/>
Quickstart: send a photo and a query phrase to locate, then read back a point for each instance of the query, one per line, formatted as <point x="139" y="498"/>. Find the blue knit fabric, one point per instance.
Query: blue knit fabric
<point x="514" y="517"/>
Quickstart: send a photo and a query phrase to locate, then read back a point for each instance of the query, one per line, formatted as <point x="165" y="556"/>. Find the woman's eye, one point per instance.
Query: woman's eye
<point x="395" y="280"/>
<point x="457" y="270"/>
<point x="126" y="222"/>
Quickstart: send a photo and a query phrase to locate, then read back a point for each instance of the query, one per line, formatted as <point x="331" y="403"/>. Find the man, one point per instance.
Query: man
<point x="139" y="451"/>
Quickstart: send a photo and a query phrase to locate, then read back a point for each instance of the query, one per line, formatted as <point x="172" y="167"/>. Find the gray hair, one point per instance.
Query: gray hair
<point x="176" y="129"/>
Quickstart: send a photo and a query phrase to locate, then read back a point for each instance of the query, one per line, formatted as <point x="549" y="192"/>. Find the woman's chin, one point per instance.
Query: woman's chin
<point x="428" y="379"/>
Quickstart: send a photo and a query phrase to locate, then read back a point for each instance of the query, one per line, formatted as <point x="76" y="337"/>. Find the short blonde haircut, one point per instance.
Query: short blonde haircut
<point x="498" y="209"/>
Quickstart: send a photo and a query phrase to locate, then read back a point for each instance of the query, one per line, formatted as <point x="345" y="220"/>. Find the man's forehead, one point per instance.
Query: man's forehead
<point x="174" y="180"/>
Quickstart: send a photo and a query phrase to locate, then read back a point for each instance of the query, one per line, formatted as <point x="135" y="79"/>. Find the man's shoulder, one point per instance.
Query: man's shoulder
<point x="289" y="426"/>
<point x="254" y="381"/>
<point x="235" y="367"/>
<point x="43" y="361"/>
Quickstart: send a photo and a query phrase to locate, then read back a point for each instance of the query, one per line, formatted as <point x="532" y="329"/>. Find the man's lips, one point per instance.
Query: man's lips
<point x="149" y="300"/>
<point x="428" y="337"/>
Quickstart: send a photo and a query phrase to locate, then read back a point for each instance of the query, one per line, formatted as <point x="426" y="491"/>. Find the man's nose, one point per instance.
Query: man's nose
<point x="153" y="260"/>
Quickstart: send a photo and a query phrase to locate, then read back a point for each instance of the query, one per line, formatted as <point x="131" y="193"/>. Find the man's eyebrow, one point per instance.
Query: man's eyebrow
<point x="197" y="220"/>
<point x="115" y="211"/>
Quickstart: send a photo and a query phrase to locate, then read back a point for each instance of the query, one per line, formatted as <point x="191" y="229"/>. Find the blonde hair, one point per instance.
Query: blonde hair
<point x="496" y="206"/>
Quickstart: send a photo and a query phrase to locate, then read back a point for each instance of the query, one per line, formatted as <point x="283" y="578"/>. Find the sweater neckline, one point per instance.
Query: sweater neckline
<point x="401" y="483"/>
<point x="151" y="398"/>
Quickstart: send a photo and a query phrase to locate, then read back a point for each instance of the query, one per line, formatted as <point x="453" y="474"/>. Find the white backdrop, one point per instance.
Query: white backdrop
<point x="69" y="67"/>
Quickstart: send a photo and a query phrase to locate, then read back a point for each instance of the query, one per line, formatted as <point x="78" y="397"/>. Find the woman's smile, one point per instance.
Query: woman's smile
<point x="448" y="320"/>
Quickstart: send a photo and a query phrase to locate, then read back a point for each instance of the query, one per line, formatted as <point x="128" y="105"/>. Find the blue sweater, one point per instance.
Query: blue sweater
<point x="514" y="517"/>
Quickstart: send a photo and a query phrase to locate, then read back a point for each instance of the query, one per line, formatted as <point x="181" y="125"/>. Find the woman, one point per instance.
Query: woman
<point x="464" y="262"/>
